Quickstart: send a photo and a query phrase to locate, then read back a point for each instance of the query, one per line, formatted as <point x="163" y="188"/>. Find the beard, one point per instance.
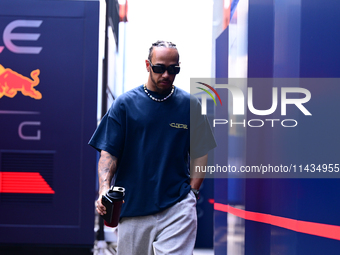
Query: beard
<point x="158" y="86"/>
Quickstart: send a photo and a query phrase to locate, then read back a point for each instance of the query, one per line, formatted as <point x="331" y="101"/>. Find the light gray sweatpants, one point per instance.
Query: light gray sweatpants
<point x="172" y="231"/>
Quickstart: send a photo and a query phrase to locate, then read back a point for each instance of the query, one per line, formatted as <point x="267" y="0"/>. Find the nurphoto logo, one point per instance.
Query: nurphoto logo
<point x="243" y="96"/>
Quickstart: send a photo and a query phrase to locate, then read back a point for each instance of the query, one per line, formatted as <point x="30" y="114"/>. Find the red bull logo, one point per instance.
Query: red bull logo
<point x="11" y="82"/>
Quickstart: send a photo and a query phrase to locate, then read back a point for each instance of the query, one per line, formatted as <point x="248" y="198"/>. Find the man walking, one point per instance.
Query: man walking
<point x="145" y="145"/>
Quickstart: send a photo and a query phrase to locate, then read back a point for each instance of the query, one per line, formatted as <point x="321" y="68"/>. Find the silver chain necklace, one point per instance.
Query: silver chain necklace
<point x="156" y="99"/>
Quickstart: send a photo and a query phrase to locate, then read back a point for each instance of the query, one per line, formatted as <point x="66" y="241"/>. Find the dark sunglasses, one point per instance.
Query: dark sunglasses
<point x="173" y="69"/>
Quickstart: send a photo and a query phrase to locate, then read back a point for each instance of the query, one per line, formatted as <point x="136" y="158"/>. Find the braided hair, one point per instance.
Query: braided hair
<point x="160" y="43"/>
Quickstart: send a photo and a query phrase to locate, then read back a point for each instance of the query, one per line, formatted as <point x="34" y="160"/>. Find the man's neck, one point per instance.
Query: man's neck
<point x="156" y="90"/>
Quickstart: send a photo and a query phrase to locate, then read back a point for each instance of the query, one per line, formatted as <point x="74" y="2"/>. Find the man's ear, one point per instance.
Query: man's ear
<point x="147" y="64"/>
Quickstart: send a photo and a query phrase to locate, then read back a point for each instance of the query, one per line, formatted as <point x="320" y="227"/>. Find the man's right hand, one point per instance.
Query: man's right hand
<point x="100" y="208"/>
<point x="107" y="166"/>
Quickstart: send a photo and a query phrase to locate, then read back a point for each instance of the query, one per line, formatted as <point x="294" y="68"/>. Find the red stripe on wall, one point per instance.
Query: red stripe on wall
<point x="312" y="228"/>
<point x="24" y="182"/>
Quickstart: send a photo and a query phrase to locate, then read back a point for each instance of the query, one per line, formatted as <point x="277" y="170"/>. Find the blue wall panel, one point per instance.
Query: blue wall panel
<point x="64" y="117"/>
<point x="314" y="43"/>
